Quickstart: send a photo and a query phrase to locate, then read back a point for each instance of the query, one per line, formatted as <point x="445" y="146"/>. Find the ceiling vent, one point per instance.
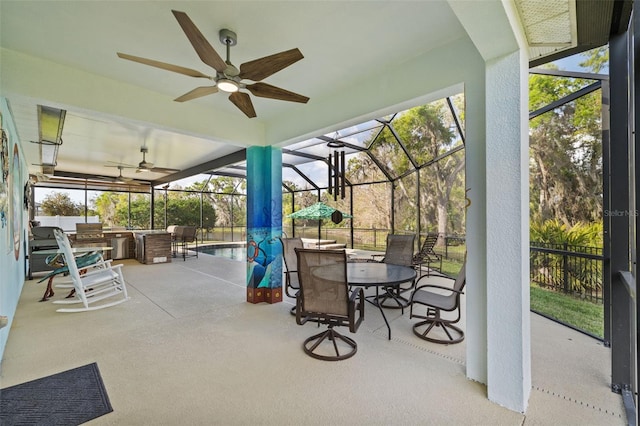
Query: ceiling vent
<point x="549" y="25"/>
<point x="50" y="124"/>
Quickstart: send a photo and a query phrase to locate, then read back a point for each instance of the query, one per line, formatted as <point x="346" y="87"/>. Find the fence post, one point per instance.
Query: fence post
<point x="565" y="269"/>
<point x="375" y="238"/>
<point x="446" y="247"/>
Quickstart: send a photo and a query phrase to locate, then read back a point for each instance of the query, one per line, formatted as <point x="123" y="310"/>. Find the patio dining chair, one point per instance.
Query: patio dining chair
<point x="427" y="256"/>
<point x="171" y="229"/>
<point x="291" y="264"/>
<point x="185" y="235"/>
<point x="436" y="299"/>
<point x="324" y="297"/>
<point x="399" y="251"/>
<point x="96" y="289"/>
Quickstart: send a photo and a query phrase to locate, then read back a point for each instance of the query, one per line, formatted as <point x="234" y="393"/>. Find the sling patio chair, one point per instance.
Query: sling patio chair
<point x="399" y="251"/>
<point x="437" y="298"/>
<point x="291" y="264"/>
<point x="171" y="229"/>
<point x="96" y="289"/>
<point x="185" y="235"/>
<point x="427" y="256"/>
<point x="324" y="298"/>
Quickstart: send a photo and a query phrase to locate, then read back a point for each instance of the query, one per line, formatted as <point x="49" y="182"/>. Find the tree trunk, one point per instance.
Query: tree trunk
<point x="442" y="221"/>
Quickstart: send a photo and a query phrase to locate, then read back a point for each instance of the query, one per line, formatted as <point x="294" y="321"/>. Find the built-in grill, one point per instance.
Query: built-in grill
<point x="42" y="239"/>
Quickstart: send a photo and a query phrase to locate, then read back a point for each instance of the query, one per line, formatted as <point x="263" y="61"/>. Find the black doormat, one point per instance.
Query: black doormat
<point x="69" y="398"/>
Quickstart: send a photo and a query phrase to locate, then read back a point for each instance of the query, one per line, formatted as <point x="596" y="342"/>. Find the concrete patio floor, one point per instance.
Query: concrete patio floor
<point x="188" y="349"/>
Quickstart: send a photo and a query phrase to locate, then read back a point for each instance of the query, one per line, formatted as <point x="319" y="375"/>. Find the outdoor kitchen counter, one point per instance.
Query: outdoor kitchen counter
<point x="153" y="246"/>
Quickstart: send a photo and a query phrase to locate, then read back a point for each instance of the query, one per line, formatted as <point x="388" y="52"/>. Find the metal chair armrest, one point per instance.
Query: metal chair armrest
<point x="435" y="286"/>
<point x="300" y="320"/>
<point x="354" y="323"/>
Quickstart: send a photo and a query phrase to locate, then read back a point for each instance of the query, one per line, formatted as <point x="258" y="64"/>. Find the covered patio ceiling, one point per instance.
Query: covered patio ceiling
<point x="61" y="57"/>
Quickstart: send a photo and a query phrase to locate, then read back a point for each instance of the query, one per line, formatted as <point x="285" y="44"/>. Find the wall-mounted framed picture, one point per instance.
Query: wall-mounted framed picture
<point x="27" y="196"/>
<point x="4" y="181"/>
<point x="16" y="201"/>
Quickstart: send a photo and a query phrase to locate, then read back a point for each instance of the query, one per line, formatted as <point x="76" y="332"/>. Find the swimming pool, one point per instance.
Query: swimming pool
<point x="235" y="253"/>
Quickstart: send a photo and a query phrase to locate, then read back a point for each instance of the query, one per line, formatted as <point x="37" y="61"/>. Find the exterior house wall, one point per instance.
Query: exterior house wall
<point x="12" y="267"/>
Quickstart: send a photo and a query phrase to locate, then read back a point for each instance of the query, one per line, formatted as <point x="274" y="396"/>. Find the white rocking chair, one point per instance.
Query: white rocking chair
<point x="97" y="285"/>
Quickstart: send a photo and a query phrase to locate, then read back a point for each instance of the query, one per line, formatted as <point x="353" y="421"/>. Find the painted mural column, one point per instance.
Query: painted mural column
<point x="264" y="224"/>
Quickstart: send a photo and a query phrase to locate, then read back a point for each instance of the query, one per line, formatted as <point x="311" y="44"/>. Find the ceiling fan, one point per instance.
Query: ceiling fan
<point x="143" y="166"/>
<point x="120" y="178"/>
<point x="228" y="78"/>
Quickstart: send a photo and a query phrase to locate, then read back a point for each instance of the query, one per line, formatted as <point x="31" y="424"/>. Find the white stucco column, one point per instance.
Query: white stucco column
<point x="507" y="227"/>
<point x="476" y="225"/>
<point x="498" y="329"/>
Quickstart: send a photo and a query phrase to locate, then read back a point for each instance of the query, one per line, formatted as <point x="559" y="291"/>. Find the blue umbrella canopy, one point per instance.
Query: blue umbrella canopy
<point x="317" y="211"/>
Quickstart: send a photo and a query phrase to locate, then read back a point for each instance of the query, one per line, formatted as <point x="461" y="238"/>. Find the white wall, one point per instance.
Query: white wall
<point x="67" y="223"/>
<point x="498" y="344"/>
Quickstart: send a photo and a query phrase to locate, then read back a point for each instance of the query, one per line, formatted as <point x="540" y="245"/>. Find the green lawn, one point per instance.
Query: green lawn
<point x="582" y="314"/>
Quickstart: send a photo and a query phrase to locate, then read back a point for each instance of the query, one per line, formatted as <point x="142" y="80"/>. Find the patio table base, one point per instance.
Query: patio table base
<point x="401" y="302"/>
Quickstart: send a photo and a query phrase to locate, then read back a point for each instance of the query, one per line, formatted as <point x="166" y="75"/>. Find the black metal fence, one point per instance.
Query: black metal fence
<point x="570" y="269"/>
<point x="373" y="238"/>
<point x="223" y="233"/>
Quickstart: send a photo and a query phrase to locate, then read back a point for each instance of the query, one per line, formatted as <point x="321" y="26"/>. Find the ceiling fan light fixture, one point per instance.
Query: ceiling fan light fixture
<point x="227" y="85"/>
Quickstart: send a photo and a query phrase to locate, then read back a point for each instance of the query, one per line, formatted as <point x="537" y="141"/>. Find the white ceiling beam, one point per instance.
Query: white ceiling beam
<point x="493" y="26"/>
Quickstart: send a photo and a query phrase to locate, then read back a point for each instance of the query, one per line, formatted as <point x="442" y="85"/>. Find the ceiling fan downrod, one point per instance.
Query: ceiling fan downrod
<point x="229" y="38"/>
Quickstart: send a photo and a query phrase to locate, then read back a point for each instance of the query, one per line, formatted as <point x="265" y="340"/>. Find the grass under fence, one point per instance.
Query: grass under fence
<point x="581" y="314"/>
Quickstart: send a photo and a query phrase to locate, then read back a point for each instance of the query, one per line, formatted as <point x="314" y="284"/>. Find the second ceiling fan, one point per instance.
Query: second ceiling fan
<point x="228" y="78"/>
<point x="143" y="166"/>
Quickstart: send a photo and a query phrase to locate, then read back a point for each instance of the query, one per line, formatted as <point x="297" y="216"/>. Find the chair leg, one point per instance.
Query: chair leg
<point x="49" y="291"/>
<point x="433" y="320"/>
<point x="312" y="343"/>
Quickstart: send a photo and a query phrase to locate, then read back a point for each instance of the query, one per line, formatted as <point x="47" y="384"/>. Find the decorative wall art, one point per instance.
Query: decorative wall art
<point x="264" y="225"/>
<point x="16" y="201"/>
<point x="4" y="174"/>
<point x="4" y="179"/>
<point x="27" y="196"/>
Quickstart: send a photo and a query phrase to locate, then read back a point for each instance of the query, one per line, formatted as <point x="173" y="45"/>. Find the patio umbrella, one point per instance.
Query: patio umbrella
<point x="319" y="211"/>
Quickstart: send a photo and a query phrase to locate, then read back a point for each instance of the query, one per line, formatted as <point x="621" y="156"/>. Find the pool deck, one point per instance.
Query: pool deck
<point x="189" y="349"/>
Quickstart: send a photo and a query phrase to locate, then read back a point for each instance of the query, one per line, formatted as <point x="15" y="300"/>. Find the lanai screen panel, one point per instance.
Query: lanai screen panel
<point x="361" y="135"/>
<point x="405" y="203"/>
<point x="389" y="153"/>
<point x="436" y="180"/>
<point x="371" y="214"/>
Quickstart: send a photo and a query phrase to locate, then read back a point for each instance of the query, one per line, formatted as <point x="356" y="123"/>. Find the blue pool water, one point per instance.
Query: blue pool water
<point x="234" y="253"/>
